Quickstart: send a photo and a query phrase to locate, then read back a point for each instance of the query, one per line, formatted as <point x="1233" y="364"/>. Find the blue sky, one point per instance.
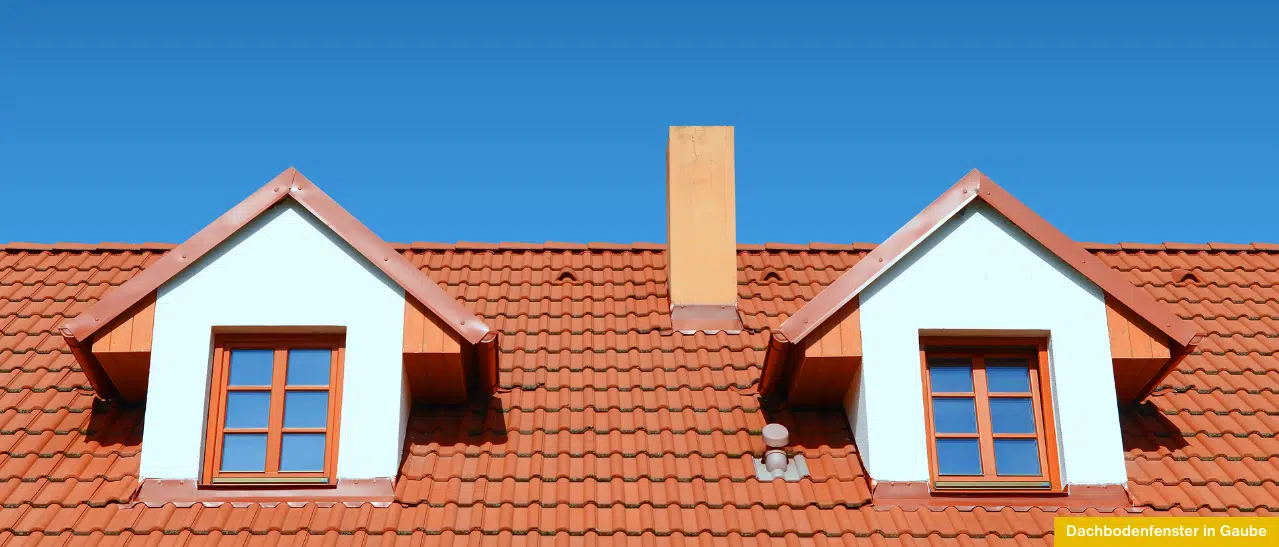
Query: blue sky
<point x="487" y="121"/>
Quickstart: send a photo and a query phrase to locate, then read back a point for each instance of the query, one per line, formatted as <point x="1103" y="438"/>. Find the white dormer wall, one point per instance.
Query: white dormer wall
<point x="285" y="268"/>
<point x="978" y="271"/>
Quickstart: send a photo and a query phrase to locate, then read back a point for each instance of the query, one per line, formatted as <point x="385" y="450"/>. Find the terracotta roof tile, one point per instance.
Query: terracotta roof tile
<point x="611" y="430"/>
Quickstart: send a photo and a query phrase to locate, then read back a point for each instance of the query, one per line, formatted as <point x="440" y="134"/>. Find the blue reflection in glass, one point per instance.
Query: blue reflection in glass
<point x="1017" y="457"/>
<point x="1002" y="379"/>
<point x="306" y="408"/>
<point x="302" y="452"/>
<point x="958" y="457"/>
<point x="954" y="415"/>
<point x="247" y="409"/>
<point x="1012" y="415"/>
<point x="244" y="452"/>
<point x="951" y="379"/>
<point x="251" y="367"/>
<point x="309" y="367"/>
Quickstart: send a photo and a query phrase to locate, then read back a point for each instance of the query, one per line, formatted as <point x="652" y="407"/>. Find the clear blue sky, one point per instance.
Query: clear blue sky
<point x="483" y="121"/>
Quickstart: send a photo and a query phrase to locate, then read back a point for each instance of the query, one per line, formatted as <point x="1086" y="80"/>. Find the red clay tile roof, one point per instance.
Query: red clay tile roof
<point x="611" y="430"/>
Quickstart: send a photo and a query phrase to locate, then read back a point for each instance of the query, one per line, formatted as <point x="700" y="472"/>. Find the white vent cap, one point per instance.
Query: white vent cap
<point x="776" y="436"/>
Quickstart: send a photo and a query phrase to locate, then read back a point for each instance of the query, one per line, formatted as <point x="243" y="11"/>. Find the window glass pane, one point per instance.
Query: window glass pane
<point x="1012" y="415"/>
<point x="306" y="408"/>
<point x="250" y="367"/>
<point x="958" y="457"/>
<point x="247" y="408"/>
<point x="951" y="378"/>
<point x="302" y="452"/>
<point x="1005" y="379"/>
<point x="1015" y="457"/>
<point x="954" y="415"/>
<point x="309" y="367"/>
<point x="244" y="452"/>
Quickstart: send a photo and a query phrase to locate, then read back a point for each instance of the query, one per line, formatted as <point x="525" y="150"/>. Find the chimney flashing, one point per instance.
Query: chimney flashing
<point x="706" y="317"/>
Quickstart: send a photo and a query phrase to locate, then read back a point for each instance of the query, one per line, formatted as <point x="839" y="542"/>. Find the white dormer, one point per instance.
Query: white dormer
<point x="278" y="352"/>
<point x="979" y="278"/>
<point x="977" y="351"/>
<point x="283" y="284"/>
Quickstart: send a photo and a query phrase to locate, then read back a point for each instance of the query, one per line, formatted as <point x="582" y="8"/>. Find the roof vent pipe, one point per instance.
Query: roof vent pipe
<point x="776" y="437"/>
<point x="776" y="464"/>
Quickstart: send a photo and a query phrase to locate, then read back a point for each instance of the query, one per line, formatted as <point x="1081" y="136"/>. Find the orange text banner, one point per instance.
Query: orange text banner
<point x="1165" y="531"/>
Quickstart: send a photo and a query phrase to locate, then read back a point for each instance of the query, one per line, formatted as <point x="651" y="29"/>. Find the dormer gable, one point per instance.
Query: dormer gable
<point x="112" y="339"/>
<point x="1147" y="338"/>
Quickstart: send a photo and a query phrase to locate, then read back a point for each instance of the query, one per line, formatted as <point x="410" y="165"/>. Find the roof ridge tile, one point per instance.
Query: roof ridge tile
<point x="1177" y="246"/>
<point x="476" y="246"/>
<point x="1218" y="246"/>
<point x="520" y="246"/>
<point x="603" y="246"/>
<point x="1132" y="246"/>
<point x="429" y="246"/>
<point x="564" y="246"/>
<point x="818" y="246"/>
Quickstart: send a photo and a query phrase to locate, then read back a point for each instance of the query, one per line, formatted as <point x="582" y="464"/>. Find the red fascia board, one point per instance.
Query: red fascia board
<point x="292" y="184"/>
<point x="975" y="185"/>
<point x="102" y="385"/>
<point x="774" y="362"/>
<point x="486" y="356"/>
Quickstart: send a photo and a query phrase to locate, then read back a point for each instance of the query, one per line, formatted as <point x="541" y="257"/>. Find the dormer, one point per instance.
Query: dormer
<point x="979" y="353"/>
<point x="278" y="352"/>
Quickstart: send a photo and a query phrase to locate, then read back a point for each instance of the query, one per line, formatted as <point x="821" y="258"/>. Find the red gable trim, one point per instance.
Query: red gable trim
<point x="973" y="186"/>
<point x="292" y="184"/>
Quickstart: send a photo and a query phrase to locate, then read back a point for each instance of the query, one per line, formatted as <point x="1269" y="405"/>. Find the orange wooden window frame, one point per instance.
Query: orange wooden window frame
<point x="978" y="350"/>
<point x="223" y="344"/>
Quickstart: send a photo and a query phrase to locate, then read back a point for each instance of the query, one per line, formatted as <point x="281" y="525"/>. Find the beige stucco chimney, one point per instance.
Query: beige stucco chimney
<point x="701" y="228"/>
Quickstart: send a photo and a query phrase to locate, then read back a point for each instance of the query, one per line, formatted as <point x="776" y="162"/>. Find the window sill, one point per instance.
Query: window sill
<point x="913" y="495"/>
<point x="273" y="482"/>
<point x="184" y="493"/>
<point x="987" y="487"/>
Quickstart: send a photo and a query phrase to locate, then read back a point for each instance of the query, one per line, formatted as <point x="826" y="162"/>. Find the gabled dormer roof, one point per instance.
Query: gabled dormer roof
<point x="976" y="186"/>
<point x="289" y="184"/>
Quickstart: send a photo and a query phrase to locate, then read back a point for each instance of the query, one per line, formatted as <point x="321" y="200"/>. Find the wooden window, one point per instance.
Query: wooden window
<point x="274" y="409"/>
<point x="988" y="408"/>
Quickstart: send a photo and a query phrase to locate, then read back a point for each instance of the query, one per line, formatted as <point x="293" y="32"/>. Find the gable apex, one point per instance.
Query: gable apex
<point x="288" y="184"/>
<point x="977" y="186"/>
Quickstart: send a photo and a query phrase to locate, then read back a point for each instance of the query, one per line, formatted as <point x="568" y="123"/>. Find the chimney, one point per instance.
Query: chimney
<point x="701" y="229"/>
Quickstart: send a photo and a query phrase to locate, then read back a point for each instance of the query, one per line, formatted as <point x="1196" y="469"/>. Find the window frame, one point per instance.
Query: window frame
<point x="281" y="343"/>
<point x="979" y="349"/>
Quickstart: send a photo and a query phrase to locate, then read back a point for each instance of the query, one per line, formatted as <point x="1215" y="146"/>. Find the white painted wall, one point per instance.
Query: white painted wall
<point x="979" y="271"/>
<point x="285" y="268"/>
